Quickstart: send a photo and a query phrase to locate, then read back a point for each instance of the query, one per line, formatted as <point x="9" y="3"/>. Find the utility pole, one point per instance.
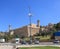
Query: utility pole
<point x="30" y="15"/>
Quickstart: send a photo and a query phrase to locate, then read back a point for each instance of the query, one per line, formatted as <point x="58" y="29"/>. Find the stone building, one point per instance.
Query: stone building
<point x="25" y="30"/>
<point x="2" y="33"/>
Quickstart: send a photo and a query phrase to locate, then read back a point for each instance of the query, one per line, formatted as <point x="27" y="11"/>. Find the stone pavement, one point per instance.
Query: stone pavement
<point x="14" y="46"/>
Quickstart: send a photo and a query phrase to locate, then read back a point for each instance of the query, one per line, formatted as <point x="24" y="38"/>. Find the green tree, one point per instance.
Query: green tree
<point x="8" y="37"/>
<point x="57" y="26"/>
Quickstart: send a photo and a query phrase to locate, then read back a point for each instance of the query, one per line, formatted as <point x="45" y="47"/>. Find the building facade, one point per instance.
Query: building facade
<point x="25" y="30"/>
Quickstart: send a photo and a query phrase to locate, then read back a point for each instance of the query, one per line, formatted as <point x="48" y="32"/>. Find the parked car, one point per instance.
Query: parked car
<point x="36" y="42"/>
<point x="23" y="42"/>
<point x="2" y="40"/>
<point x="56" y="41"/>
<point x="30" y="42"/>
<point x="17" y="40"/>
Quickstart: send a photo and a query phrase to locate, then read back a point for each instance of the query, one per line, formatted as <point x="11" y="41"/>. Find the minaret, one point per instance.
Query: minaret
<point x="11" y="32"/>
<point x="38" y="23"/>
<point x="9" y="27"/>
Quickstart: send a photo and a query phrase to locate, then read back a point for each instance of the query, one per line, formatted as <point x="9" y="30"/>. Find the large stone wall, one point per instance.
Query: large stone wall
<point x="33" y="31"/>
<point x="25" y="31"/>
<point x="21" y="31"/>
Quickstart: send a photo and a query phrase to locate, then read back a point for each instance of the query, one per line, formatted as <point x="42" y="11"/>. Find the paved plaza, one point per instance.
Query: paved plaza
<point x="14" y="46"/>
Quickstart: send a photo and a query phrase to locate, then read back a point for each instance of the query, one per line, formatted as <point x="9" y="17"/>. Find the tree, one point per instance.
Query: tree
<point x="16" y="36"/>
<point x="57" y="26"/>
<point x="8" y="37"/>
<point x="53" y="36"/>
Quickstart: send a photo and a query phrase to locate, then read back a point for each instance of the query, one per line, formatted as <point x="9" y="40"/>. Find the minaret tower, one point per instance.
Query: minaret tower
<point x="11" y="32"/>
<point x="38" y="23"/>
<point x="9" y="27"/>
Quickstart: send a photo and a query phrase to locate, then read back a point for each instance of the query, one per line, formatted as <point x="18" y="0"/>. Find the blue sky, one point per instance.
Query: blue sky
<point x="15" y="12"/>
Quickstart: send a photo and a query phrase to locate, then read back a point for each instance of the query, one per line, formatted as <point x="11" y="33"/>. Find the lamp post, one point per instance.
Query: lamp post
<point x="30" y="22"/>
<point x="30" y="15"/>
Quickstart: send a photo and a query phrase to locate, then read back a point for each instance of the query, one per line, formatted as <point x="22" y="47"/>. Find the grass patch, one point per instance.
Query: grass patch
<point x="42" y="47"/>
<point x="43" y="38"/>
<point x="40" y="37"/>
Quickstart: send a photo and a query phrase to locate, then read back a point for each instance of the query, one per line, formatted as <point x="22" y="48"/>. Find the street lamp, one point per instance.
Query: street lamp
<point x="30" y="15"/>
<point x="30" y="22"/>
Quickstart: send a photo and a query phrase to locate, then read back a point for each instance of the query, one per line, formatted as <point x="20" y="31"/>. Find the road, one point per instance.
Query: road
<point x="12" y="45"/>
<point x="41" y="43"/>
